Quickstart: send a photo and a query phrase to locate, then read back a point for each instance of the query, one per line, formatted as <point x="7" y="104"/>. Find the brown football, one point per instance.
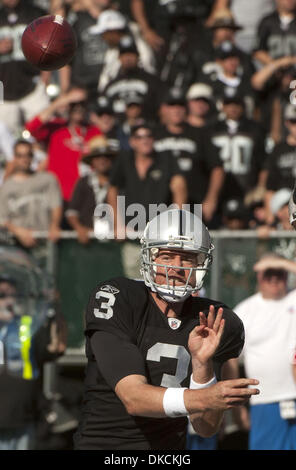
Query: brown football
<point x="49" y="42"/>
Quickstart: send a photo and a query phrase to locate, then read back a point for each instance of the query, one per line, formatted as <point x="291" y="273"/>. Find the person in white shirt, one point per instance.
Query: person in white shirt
<point x="269" y="319"/>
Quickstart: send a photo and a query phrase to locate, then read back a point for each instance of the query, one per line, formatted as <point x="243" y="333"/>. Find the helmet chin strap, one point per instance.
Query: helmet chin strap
<point x="172" y="297"/>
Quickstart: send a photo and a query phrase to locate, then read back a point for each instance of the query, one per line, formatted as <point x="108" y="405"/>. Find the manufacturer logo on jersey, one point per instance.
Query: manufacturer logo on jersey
<point x="111" y="289"/>
<point x="174" y="323"/>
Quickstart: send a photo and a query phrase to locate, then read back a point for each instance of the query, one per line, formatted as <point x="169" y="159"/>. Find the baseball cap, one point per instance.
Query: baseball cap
<point x="226" y="49"/>
<point x="235" y="209"/>
<point x="109" y="20"/>
<point x="101" y="105"/>
<point x="127" y="44"/>
<point x="231" y="95"/>
<point x="199" y="91"/>
<point x="280" y="199"/>
<point x="133" y="98"/>
<point x="290" y="112"/>
<point x="174" y="96"/>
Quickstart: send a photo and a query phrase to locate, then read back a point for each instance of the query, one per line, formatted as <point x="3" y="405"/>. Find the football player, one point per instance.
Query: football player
<point x="155" y="349"/>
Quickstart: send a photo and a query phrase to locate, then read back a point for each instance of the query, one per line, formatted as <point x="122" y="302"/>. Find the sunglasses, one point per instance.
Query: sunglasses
<point x="278" y="273"/>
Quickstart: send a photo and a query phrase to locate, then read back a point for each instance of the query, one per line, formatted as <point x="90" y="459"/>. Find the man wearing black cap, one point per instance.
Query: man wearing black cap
<point x="241" y="148"/>
<point x="228" y="78"/>
<point x="131" y="79"/>
<point x="197" y="160"/>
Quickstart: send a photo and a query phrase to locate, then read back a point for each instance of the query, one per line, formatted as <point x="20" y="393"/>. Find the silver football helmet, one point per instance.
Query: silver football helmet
<point x="180" y="230"/>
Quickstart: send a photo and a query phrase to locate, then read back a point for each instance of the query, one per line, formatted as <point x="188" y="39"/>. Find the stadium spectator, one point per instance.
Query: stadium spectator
<point x="198" y="161"/>
<point x="53" y="117"/>
<point x="6" y="149"/>
<point x="273" y="83"/>
<point x="132" y="117"/>
<point x="241" y="144"/>
<point x="276" y="33"/>
<point x="65" y="149"/>
<point x="279" y="209"/>
<point x="281" y="163"/>
<point x="144" y="177"/>
<point x="235" y="215"/>
<point x="131" y="78"/>
<point x="248" y="15"/>
<point x="113" y="26"/>
<point x="92" y="189"/>
<point x="30" y="201"/>
<point x="24" y="87"/>
<point x="223" y="28"/>
<point x="269" y="324"/>
<point x="102" y="116"/>
<point x="87" y="63"/>
<point x="201" y="110"/>
<point x="30" y="335"/>
<point x="228" y="79"/>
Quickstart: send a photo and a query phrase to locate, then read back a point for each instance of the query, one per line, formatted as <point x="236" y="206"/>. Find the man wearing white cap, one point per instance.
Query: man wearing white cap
<point x="112" y="25"/>
<point x="200" y="104"/>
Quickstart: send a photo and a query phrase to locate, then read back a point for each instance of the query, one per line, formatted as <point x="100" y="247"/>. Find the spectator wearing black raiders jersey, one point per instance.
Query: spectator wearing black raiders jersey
<point x="146" y="342"/>
<point x="198" y="161"/>
<point x="228" y="78"/>
<point x="276" y="35"/>
<point x="91" y="190"/>
<point x="281" y="164"/>
<point x="241" y="149"/>
<point x="131" y="78"/>
<point x="144" y="177"/>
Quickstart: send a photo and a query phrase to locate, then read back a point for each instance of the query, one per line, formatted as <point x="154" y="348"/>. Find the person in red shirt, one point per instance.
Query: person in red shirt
<point x="66" y="146"/>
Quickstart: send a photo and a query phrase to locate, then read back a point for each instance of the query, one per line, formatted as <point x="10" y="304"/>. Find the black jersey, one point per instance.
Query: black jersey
<point x="276" y="37"/>
<point x="242" y="152"/>
<point x="195" y="157"/>
<point x="281" y="166"/>
<point x="134" y="337"/>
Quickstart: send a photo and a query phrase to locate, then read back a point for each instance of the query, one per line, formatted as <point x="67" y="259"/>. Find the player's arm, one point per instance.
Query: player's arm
<point x="143" y="399"/>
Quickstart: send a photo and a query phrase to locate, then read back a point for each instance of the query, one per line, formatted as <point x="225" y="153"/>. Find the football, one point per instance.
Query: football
<point x="49" y="42"/>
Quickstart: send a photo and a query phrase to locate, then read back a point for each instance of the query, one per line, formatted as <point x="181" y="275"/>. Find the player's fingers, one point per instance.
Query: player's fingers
<point x="202" y="319"/>
<point x="243" y="392"/>
<point x="242" y="382"/>
<point x="218" y="320"/>
<point x="221" y="328"/>
<point x="211" y="316"/>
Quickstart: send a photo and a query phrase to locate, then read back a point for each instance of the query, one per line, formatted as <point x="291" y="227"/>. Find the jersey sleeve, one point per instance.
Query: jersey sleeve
<point x="111" y="330"/>
<point x="233" y="337"/>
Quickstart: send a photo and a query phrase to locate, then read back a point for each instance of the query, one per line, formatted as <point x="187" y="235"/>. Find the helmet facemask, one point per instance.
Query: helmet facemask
<point x="168" y="291"/>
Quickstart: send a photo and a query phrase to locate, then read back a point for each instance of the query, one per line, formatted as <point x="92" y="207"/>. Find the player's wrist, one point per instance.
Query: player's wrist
<point x="173" y="402"/>
<point x="198" y="386"/>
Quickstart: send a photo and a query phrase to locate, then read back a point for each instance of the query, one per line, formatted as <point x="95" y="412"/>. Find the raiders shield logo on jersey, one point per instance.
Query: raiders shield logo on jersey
<point x="174" y="323"/>
<point x="111" y="289"/>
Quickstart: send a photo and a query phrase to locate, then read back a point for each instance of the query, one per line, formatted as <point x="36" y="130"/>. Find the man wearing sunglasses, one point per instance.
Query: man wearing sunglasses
<point x="269" y="318"/>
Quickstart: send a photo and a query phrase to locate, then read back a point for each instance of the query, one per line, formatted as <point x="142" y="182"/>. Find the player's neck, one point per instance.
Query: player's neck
<point x="172" y="309"/>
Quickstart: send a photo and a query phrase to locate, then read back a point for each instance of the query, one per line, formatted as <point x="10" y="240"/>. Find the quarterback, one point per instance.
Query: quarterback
<point x="155" y="349"/>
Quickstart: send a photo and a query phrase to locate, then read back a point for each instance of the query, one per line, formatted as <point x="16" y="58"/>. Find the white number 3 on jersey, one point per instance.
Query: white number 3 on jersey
<point x="107" y="300"/>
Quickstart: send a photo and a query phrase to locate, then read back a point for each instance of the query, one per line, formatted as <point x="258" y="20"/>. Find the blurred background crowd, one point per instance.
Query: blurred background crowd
<point x="211" y="82"/>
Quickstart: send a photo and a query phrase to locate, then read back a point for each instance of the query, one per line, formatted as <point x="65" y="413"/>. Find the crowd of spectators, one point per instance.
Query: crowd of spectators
<point x="183" y="101"/>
